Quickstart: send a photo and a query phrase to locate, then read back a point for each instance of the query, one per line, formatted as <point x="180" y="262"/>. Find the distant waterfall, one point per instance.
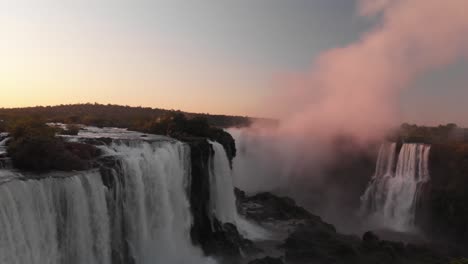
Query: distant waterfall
<point x="222" y="197"/>
<point x="139" y="213"/>
<point x="392" y="195"/>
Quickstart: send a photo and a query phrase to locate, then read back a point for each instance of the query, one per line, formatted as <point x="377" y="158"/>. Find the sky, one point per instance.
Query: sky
<point x="213" y="56"/>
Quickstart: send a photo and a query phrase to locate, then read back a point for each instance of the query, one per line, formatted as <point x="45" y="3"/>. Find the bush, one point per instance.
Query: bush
<point x="459" y="261"/>
<point x="29" y="127"/>
<point x="2" y="126"/>
<point x="36" y="148"/>
<point x="72" y="130"/>
<point x="180" y="127"/>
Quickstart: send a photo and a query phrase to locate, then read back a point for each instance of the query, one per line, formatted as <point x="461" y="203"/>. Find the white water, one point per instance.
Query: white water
<point x="73" y="218"/>
<point x="54" y="221"/>
<point x="391" y="197"/>
<point x="3" y="140"/>
<point x="222" y="197"/>
<point x="156" y="207"/>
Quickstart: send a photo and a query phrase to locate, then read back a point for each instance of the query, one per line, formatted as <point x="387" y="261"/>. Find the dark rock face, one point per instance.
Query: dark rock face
<point x="312" y="240"/>
<point x="264" y="206"/>
<point x="319" y="242"/>
<point x="316" y="243"/>
<point x="227" y="242"/>
<point x="214" y="237"/>
<point x="267" y="260"/>
<point x="225" y="139"/>
<point x="445" y="211"/>
<point x="200" y="152"/>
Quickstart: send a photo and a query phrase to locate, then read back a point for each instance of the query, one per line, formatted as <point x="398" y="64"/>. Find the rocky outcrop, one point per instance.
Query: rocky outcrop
<point x="443" y="213"/>
<point x="214" y="237"/>
<point x="200" y="153"/>
<point x="266" y="206"/>
<point x="267" y="260"/>
<point x="311" y="240"/>
<point x="314" y="244"/>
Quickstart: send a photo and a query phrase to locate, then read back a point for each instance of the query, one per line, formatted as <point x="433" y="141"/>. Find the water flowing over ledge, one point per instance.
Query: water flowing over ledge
<point x="136" y="210"/>
<point x="394" y="191"/>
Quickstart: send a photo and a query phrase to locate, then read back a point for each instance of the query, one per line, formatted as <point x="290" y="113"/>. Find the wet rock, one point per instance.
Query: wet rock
<point x="266" y="206"/>
<point x="214" y="238"/>
<point x="98" y="141"/>
<point x="318" y="242"/>
<point x="267" y="260"/>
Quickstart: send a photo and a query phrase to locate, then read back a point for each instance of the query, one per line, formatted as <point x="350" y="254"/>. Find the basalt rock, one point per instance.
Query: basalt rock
<point x="312" y="243"/>
<point x="215" y="238"/>
<point x="267" y="260"/>
<point x="263" y="206"/>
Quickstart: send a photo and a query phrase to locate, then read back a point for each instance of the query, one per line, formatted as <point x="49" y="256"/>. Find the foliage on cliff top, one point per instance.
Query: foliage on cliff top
<point x="36" y="148"/>
<point x="441" y="134"/>
<point x="115" y="115"/>
<point x="180" y="127"/>
<point x="459" y="261"/>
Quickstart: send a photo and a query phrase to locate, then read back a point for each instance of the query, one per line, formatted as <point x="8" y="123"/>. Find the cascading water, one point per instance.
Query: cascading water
<point x="4" y="162"/>
<point x="222" y="197"/>
<point x="54" y="220"/>
<point x="138" y="213"/>
<point x="156" y="208"/>
<point x="392" y="195"/>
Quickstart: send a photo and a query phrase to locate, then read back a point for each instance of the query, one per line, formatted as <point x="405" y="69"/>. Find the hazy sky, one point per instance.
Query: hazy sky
<point x="217" y="56"/>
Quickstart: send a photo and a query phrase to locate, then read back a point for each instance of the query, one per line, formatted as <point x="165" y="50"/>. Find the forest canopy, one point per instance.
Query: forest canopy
<point x="114" y="116"/>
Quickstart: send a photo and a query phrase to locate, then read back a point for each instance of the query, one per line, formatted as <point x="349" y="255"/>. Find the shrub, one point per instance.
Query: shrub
<point x="36" y="148"/>
<point x="72" y="130"/>
<point x="459" y="261"/>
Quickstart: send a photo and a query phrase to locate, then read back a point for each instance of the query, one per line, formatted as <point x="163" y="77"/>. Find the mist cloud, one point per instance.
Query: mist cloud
<point x="352" y="90"/>
<point x="355" y="89"/>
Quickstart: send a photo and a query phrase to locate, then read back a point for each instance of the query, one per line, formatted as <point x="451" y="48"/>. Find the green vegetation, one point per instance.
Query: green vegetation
<point x="35" y="145"/>
<point x="36" y="148"/>
<point x="180" y="127"/>
<point x="71" y="130"/>
<point x="459" y="261"/>
<point x="176" y="124"/>
<point x="2" y="126"/>
<point x="449" y="133"/>
<point x="99" y="115"/>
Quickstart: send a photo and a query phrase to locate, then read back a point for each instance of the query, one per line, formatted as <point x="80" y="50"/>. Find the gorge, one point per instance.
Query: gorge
<point x="154" y="199"/>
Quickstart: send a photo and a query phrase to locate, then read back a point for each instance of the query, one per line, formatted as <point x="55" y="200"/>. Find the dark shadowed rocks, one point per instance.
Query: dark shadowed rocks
<point x="264" y="206"/>
<point x="267" y="260"/>
<point x="215" y="238"/>
<point x="311" y="240"/>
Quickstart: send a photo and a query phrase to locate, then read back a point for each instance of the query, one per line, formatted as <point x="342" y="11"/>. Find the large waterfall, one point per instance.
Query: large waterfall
<point x="156" y="207"/>
<point x="54" y="220"/>
<point x="138" y="213"/>
<point x="392" y="195"/>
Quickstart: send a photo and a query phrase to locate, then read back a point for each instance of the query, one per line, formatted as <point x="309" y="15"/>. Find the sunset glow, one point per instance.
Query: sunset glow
<point x="179" y="55"/>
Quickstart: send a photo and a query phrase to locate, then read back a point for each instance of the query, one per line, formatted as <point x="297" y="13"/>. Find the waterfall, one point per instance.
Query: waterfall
<point x="138" y="213"/>
<point x="222" y="197"/>
<point x="392" y="195"/>
<point x="54" y="220"/>
<point x="156" y="207"/>
<point x="3" y="140"/>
